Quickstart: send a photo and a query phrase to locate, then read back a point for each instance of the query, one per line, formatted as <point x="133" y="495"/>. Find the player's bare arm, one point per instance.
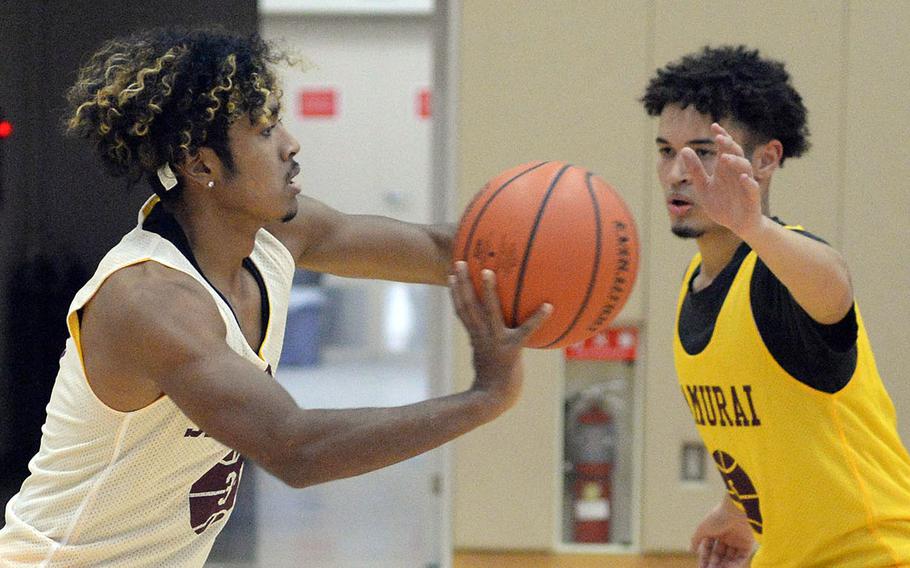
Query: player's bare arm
<point x="149" y="327"/>
<point x="366" y="246"/>
<point x="814" y="273"/>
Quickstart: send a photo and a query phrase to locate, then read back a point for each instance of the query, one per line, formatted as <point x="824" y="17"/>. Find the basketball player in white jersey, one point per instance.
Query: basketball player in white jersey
<point x="165" y="384"/>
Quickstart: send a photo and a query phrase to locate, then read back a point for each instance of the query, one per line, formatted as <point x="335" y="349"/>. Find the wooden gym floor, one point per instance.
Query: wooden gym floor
<point x="470" y="559"/>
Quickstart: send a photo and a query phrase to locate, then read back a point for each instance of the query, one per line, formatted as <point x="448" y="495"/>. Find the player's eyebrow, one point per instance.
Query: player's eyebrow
<point x="695" y="141"/>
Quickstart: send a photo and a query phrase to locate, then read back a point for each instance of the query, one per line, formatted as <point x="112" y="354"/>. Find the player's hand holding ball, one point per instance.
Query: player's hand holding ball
<point x="496" y="347"/>
<point x="552" y="233"/>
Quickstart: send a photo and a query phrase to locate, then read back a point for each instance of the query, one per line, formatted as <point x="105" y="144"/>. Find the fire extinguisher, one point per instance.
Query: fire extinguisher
<point x="593" y="466"/>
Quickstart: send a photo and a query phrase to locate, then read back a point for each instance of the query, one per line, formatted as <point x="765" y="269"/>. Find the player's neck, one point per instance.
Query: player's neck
<point x="219" y="242"/>
<point x="717" y="249"/>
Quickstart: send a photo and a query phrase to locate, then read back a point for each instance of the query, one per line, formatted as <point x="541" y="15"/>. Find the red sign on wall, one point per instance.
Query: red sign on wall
<point x="423" y="103"/>
<point x="318" y="103"/>
<point x="613" y="344"/>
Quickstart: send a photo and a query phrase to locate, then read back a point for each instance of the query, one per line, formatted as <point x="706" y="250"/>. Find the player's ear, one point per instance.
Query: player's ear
<point x="766" y="158"/>
<point x="198" y="167"/>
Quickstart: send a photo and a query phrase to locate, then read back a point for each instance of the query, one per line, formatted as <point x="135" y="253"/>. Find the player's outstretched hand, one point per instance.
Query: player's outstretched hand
<point x="730" y="196"/>
<point x="724" y="538"/>
<point x="497" y="348"/>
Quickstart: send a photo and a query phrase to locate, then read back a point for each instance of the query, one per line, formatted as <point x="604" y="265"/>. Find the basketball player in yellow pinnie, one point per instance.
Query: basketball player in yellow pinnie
<point x="166" y="386"/>
<point x="770" y="348"/>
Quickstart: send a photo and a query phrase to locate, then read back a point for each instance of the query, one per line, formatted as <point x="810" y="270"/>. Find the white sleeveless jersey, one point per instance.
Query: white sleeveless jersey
<point x="142" y="488"/>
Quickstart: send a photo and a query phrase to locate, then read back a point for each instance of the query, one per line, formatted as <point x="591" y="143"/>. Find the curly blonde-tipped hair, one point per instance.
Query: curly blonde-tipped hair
<point x="157" y="96"/>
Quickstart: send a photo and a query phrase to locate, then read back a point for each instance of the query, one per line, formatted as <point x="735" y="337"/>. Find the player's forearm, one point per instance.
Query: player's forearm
<point x="439" y="262"/>
<point x="324" y="445"/>
<point x="432" y="256"/>
<point x="814" y="273"/>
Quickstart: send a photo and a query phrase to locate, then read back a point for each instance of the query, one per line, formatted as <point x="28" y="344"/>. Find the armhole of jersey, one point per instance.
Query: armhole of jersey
<point x="73" y="322"/>
<point x="828" y="374"/>
<point x="73" y="319"/>
<point x="279" y="254"/>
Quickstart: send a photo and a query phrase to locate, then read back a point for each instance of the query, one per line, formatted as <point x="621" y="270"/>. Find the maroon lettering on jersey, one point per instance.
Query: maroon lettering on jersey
<point x="710" y="405"/>
<point x="213" y="495"/>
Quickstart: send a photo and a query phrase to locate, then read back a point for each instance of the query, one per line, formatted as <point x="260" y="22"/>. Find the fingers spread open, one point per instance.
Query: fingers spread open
<point x="748" y="182"/>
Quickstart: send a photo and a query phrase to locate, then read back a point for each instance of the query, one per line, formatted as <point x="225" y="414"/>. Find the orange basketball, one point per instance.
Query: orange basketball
<point x="555" y="233"/>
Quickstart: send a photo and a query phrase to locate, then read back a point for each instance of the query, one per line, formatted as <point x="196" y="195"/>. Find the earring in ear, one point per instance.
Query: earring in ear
<point x="211" y="184"/>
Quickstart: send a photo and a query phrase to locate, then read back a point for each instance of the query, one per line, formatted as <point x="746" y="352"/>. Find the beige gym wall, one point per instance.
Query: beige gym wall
<point x="558" y="80"/>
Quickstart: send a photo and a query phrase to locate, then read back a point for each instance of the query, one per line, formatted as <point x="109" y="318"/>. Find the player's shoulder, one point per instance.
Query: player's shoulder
<point x="150" y="296"/>
<point x="143" y="281"/>
<point x="145" y="322"/>
<point x="799" y="229"/>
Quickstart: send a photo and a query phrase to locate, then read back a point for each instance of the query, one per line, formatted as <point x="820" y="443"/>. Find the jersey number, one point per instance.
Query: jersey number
<point x="212" y="497"/>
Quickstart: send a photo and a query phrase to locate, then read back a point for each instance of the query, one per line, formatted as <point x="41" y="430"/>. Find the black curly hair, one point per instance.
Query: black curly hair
<point x="157" y="96"/>
<point x="735" y="83"/>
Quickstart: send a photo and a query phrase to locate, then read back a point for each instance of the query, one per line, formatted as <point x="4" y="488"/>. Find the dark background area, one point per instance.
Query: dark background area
<point x="59" y="211"/>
